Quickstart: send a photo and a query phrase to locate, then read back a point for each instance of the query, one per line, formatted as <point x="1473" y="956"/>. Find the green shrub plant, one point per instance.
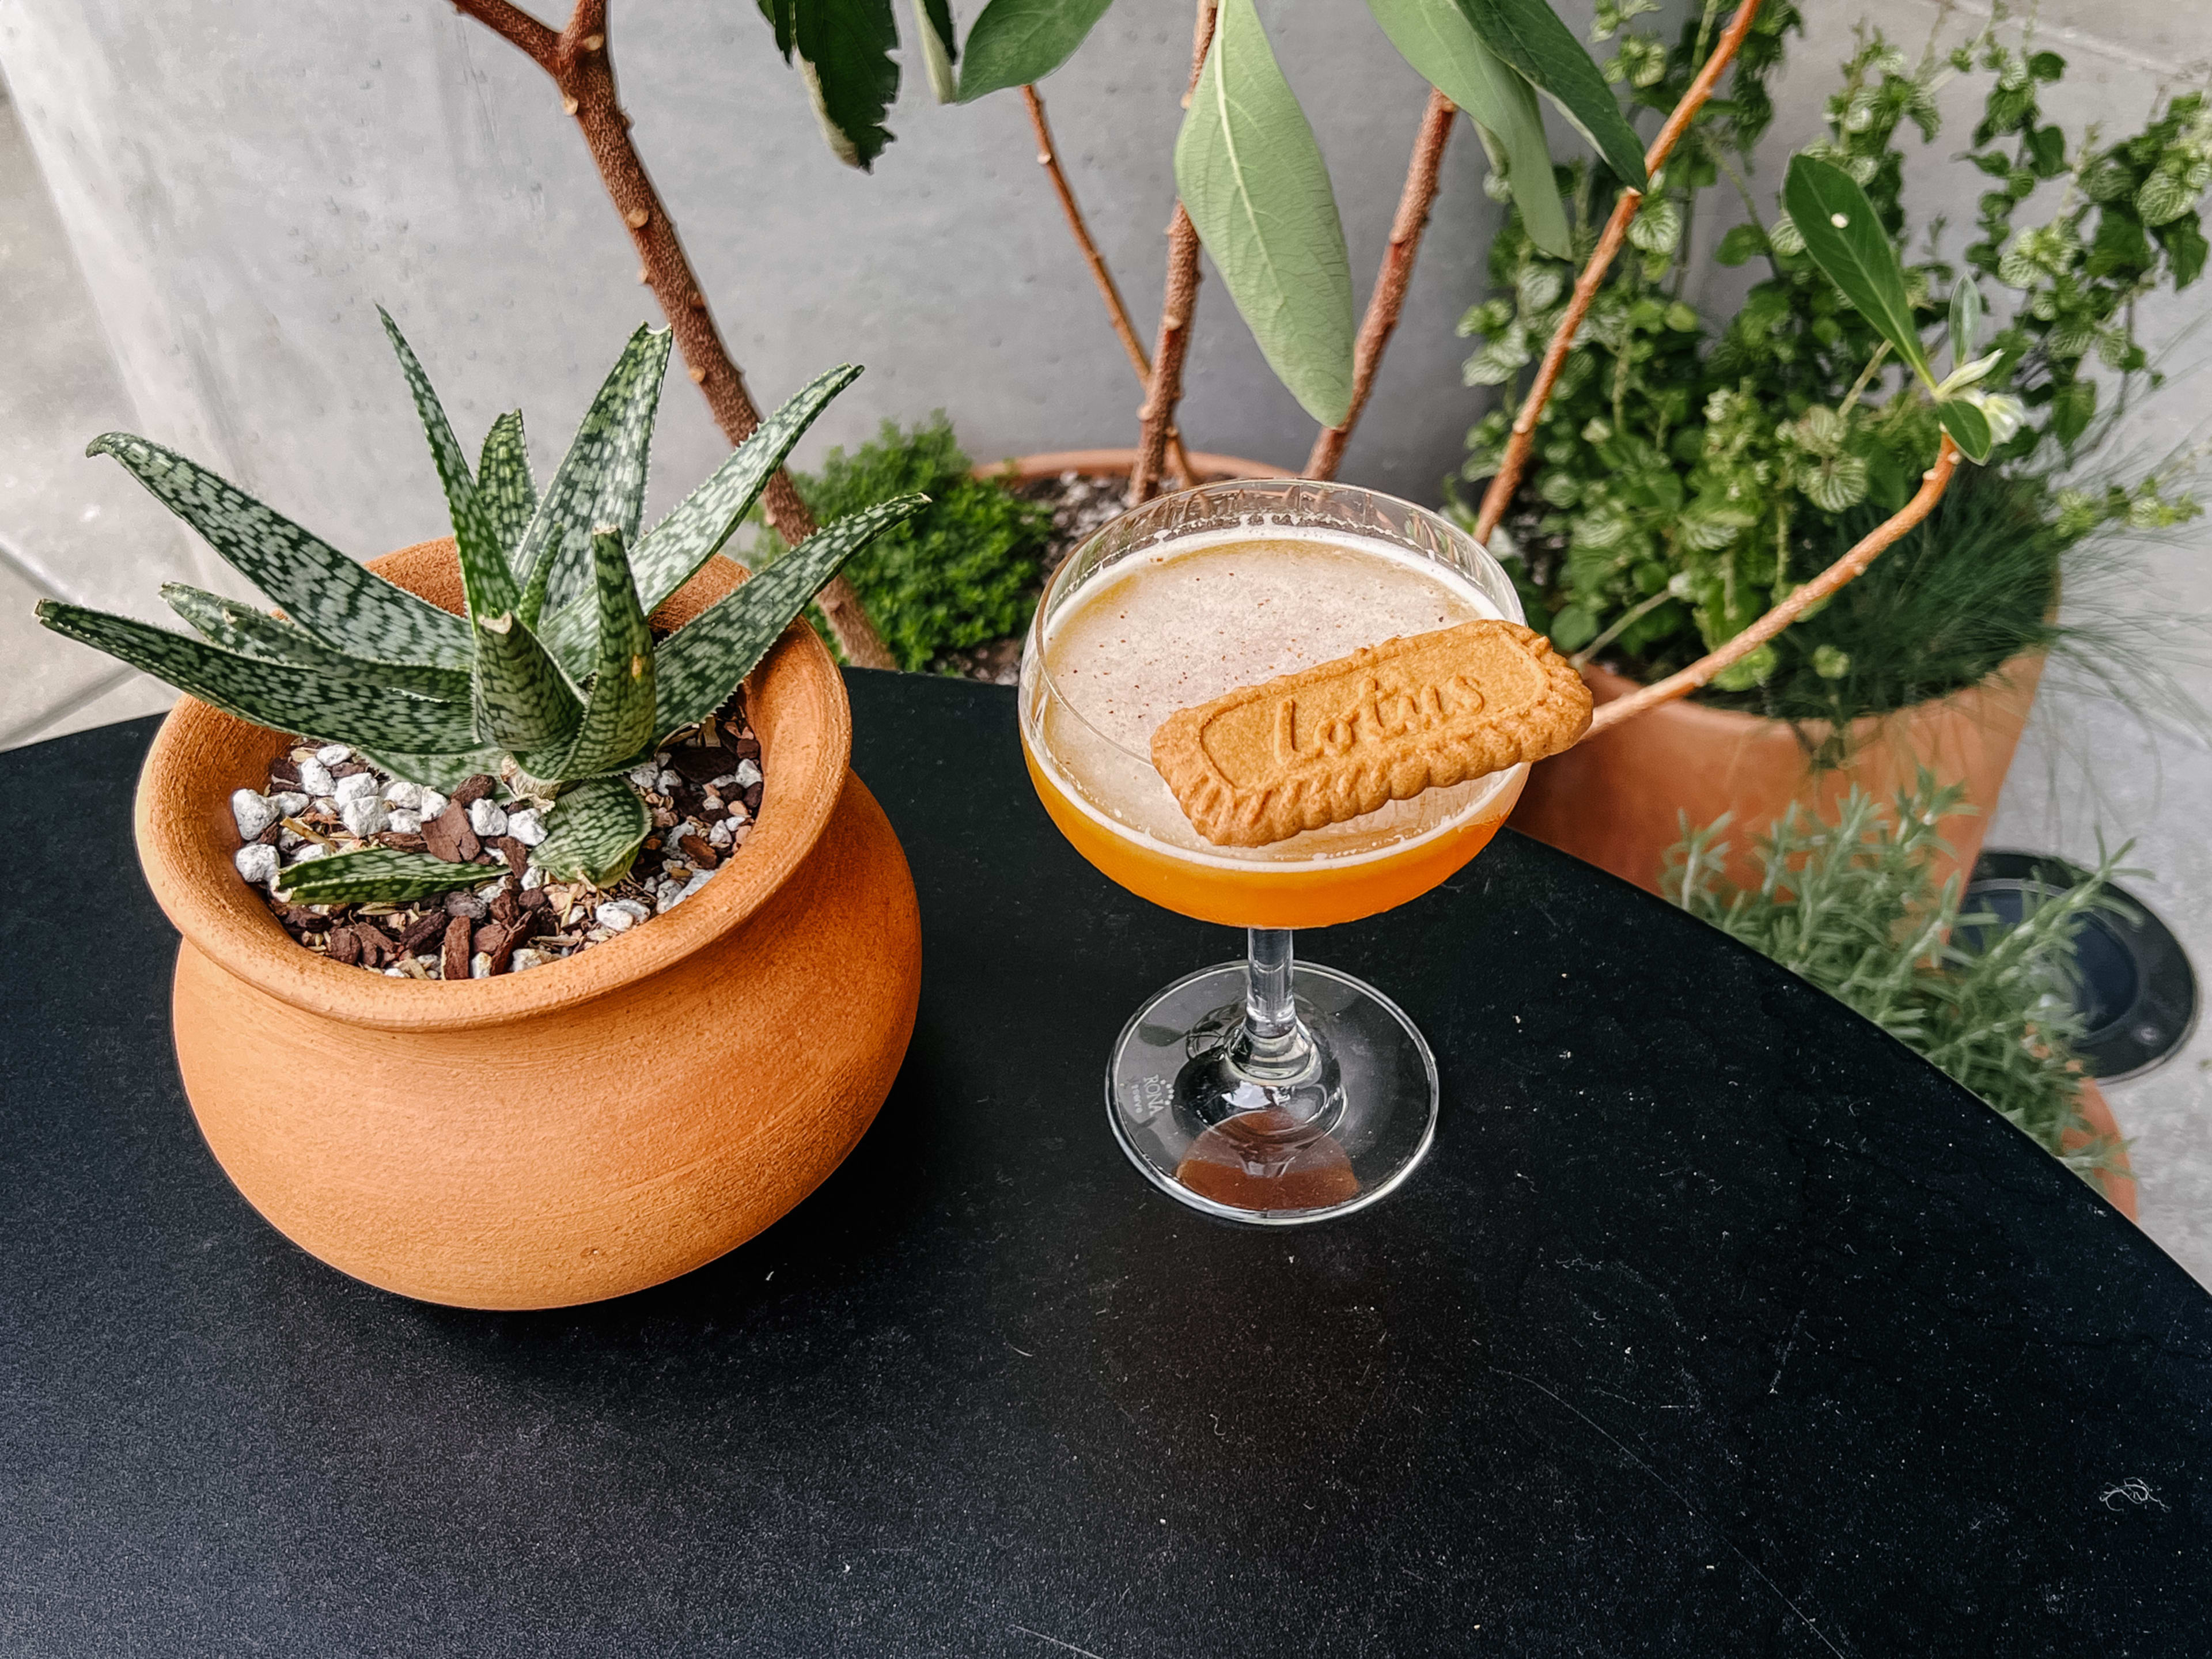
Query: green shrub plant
<point x="1688" y="475"/>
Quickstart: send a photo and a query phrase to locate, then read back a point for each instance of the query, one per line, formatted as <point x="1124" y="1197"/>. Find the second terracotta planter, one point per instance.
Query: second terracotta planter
<point x="1618" y="799"/>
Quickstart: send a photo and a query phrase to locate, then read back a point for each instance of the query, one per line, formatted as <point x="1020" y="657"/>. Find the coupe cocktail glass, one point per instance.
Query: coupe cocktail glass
<point x="1264" y="1090"/>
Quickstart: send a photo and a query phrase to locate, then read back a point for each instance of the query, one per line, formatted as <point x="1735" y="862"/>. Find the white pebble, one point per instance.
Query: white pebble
<point x="355" y="785"/>
<point x="747" y="774"/>
<point x="310" y="853"/>
<point x="727" y="780"/>
<point x="288" y="839"/>
<point x="405" y="822"/>
<point x="533" y="877"/>
<point x="334" y="754"/>
<point x="430" y="803"/>
<point x="526" y="957"/>
<point x="619" y="916"/>
<point x="689" y="888"/>
<point x="480" y="965"/>
<point x="364" y="814"/>
<point x="668" y="782"/>
<point x="719" y="834"/>
<point x="645" y="776"/>
<point x="493" y="888"/>
<point x="290" y="804"/>
<point x="252" y="813"/>
<point x="487" y="818"/>
<point x="401" y="794"/>
<point x="315" y="778"/>
<point x="259" y="865"/>
<point x="397" y="973"/>
<point x="525" y="826"/>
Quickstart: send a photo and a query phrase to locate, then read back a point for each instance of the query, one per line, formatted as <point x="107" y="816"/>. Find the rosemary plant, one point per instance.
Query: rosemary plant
<point x="550" y="677"/>
<point x="1852" y="907"/>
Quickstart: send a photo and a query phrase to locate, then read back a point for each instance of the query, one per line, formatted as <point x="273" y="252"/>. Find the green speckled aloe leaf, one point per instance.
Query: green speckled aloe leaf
<point x="236" y="626"/>
<point x="510" y="493"/>
<point x="523" y="701"/>
<point x="443" y="773"/>
<point x="281" y="695"/>
<point x="318" y="587"/>
<point x="486" y="578"/>
<point x="377" y="875"/>
<point x="593" y="831"/>
<point x="618" y="721"/>
<point x="694" y="532"/>
<point x="601" y="480"/>
<point x="700" y="663"/>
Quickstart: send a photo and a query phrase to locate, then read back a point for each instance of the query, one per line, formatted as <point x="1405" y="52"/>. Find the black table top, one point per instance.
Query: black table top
<point x="1716" y="1323"/>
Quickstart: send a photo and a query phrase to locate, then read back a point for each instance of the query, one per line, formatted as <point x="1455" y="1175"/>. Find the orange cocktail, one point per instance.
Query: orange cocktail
<point x="1175" y="624"/>
<point x="1262" y="1089"/>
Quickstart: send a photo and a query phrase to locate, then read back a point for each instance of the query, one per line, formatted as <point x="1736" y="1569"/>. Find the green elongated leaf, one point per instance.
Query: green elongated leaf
<point x="694" y="531"/>
<point x="1966" y="320"/>
<point x="318" y="587"/>
<point x="1843" y="236"/>
<point x="443" y="773"/>
<point x="1434" y="37"/>
<point x="236" y="626"/>
<point x="280" y="695"/>
<point x="1252" y="181"/>
<point x="1968" y="427"/>
<point x="1528" y="35"/>
<point x="510" y="493"/>
<point x="844" y="51"/>
<point x="700" y="665"/>
<point x="593" y="831"/>
<point x="932" y="21"/>
<point x="487" y="579"/>
<point x="618" y="719"/>
<point x="1015" y="42"/>
<point x="601" y="480"/>
<point x="523" y="701"/>
<point x="377" y="875"/>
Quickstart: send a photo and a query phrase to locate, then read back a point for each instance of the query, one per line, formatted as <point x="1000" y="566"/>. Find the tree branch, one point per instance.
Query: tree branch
<point x="1499" y="496"/>
<point x="1932" y="483"/>
<point x="1389" y="296"/>
<point x="1049" y="159"/>
<point x="582" y="67"/>
<point x="1164" y="390"/>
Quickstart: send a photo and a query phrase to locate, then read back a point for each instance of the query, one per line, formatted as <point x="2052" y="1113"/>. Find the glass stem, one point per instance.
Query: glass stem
<point x="1274" y="1042"/>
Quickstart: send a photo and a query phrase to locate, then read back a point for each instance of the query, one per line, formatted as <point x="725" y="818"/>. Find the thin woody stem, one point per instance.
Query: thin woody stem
<point x="582" y="68"/>
<point x="1389" y="297"/>
<point x="1164" y="390"/>
<point x="1499" y="496"/>
<point x="1932" y="483"/>
<point x="1049" y="159"/>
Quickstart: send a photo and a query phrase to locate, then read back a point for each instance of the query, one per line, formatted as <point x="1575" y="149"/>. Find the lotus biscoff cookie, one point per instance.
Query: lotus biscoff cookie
<point x="1262" y="763"/>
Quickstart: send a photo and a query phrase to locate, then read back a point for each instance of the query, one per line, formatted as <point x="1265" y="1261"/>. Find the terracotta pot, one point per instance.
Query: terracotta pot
<point x="584" y="1129"/>
<point x="1115" y="463"/>
<point x="2117" y="1181"/>
<point x="1617" y="800"/>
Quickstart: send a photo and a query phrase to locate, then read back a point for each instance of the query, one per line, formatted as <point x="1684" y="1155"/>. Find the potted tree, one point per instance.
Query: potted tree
<point x="505" y="866"/>
<point x="1683" y="479"/>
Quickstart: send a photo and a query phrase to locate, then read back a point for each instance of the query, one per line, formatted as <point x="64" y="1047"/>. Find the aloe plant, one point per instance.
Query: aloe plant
<point x="549" y="676"/>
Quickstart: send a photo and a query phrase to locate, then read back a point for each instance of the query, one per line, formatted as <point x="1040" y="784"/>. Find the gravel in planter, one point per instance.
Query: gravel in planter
<point x="704" y="788"/>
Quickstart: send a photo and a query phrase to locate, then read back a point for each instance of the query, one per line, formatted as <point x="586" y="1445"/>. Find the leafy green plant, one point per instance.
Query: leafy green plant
<point x="550" y="674"/>
<point x="1687" y="479"/>
<point x="1852" y="907"/>
<point x="961" y="572"/>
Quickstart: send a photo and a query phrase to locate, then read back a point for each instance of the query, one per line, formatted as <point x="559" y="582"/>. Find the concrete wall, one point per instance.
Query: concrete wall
<point x="244" y="180"/>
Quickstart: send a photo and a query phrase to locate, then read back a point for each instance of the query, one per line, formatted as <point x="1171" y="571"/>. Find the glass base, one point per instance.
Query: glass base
<point x="1344" y="1128"/>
